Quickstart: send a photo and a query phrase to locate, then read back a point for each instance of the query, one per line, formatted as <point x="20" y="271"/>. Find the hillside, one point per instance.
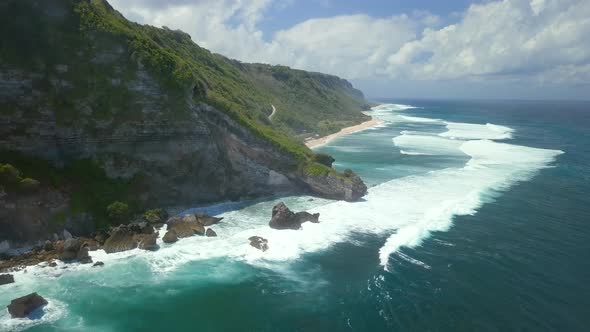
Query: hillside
<point x="98" y="109"/>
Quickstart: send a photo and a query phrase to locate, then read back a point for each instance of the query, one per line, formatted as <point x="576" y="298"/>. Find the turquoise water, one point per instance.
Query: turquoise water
<point x="466" y="227"/>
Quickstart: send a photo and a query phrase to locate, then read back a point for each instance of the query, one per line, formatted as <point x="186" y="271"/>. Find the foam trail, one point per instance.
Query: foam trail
<point x="418" y="119"/>
<point x="476" y="131"/>
<point x="413" y="144"/>
<point x="493" y="167"/>
<point x="393" y="107"/>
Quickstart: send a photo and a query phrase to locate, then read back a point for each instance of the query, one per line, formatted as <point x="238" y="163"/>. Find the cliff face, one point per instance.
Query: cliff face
<point x="160" y="117"/>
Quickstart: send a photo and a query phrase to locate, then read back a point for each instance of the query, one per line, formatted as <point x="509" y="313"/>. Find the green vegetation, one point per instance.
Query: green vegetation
<point x="12" y="182"/>
<point x="85" y="182"/>
<point x="9" y="175"/>
<point x="118" y="212"/>
<point x="155" y="216"/>
<point x="29" y="185"/>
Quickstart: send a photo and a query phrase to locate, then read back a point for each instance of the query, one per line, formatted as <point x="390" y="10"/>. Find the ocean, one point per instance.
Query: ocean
<point x="477" y="219"/>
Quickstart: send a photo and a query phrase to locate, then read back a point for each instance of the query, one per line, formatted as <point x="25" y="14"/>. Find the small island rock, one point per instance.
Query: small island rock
<point x="23" y="306"/>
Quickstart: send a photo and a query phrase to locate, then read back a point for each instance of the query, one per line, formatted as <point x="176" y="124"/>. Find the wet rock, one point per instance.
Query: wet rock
<point x="98" y="264"/>
<point x="83" y="256"/>
<point x="23" y="306"/>
<point x="127" y="237"/>
<point x="284" y="218"/>
<point x="6" y="279"/>
<point x="259" y="243"/>
<point x="186" y="226"/>
<point x="71" y="247"/>
<point x="170" y="237"/>
<point x="207" y="220"/>
<point x="210" y="233"/>
<point x="52" y="264"/>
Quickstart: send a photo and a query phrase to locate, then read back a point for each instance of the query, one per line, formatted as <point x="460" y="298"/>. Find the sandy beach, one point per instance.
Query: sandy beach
<point x="313" y="143"/>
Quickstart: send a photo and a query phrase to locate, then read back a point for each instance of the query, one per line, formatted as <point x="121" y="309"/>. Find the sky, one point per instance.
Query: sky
<point x="502" y="49"/>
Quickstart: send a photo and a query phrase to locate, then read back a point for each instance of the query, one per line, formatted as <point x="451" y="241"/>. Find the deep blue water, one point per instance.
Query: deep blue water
<point x="516" y="261"/>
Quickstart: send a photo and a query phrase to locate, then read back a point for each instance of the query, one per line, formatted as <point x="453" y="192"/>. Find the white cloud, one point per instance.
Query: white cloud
<point x="544" y="41"/>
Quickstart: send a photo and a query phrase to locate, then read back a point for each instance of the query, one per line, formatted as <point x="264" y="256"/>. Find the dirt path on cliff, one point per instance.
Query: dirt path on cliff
<point x="274" y="110"/>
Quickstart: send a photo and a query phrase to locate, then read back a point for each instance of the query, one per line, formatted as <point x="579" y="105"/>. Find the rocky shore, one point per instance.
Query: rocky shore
<point x="141" y="233"/>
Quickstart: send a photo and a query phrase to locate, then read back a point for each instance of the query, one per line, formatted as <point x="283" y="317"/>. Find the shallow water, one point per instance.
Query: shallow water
<point x="476" y="219"/>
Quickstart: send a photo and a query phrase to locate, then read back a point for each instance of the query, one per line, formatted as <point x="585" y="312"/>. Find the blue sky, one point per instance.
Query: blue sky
<point x="523" y="49"/>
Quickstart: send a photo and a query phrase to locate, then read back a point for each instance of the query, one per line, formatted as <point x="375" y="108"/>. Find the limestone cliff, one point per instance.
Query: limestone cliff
<point x="164" y="121"/>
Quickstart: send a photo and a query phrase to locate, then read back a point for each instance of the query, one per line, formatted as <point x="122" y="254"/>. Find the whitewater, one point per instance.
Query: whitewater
<point x="404" y="211"/>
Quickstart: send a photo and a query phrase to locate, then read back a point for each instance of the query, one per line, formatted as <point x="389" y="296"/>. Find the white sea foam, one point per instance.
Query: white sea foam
<point x="477" y="131"/>
<point x="418" y="119"/>
<point x="392" y="107"/>
<point x="413" y="144"/>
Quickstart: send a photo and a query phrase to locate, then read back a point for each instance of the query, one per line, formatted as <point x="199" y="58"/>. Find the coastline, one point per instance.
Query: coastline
<point x="317" y="142"/>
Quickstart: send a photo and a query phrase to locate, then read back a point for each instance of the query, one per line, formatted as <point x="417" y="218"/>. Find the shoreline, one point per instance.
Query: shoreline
<point x="317" y="142"/>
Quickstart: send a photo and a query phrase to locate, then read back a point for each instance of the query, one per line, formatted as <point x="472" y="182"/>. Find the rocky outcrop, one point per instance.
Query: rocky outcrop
<point x="23" y="306"/>
<point x="210" y="233"/>
<point x="6" y="279"/>
<point x="188" y="225"/>
<point x="127" y="237"/>
<point x="348" y="187"/>
<point x="259" y="242"/>
<point x="170" y="237"/>
<point x="283" y="218"/>
<point x="207" y="220"/>
<point x="76" y="249"/>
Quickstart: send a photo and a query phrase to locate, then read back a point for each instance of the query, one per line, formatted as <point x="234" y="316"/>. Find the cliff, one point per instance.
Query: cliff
<point x="98" y="109"/>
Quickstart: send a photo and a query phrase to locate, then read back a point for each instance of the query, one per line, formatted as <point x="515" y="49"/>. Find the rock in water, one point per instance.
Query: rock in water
<point x="259" y="243"/>
<point x="127" y="237"/>
<point x="207" y="220"/>
<point x="23" y="306"/>
<point x="185" y="226"/>
<point x="170" y="237"/>
<point x="210" y="233"/>
<point x="6" y="279"/>
<point x="283" y="218"/>
<point x="98" y="264"/>
<point x="83" y="256"/>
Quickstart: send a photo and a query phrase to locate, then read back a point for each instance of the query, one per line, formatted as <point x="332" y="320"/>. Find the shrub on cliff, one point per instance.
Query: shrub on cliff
<point x="9" y="175"/>
<point x="155" y="215"/>
<point x="28" y="185"/>
<point x="348" y="173"/>
<point x="324" y="159"/>
<point x="118" y="211"/>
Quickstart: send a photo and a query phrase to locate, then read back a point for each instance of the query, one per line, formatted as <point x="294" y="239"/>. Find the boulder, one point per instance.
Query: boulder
<point x="283" y="218"/>
<point x="83" y="256"/>
<point x="186" y="226"/>
<point x="70" y="250"/>
<point x="98" y="264"/>
<point x="23" y="306"/>
<point x="147" y="241"/>
<point x="66" y="235"/>
<point x="259" y="243"/>
<point x="210" y="233"/>
<point x="207" y="220"/>
<point x="48" y="246"/>
<point x="170" y="237"/>
<point x="6" y="279"/>
<point x="127" y="237"/>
